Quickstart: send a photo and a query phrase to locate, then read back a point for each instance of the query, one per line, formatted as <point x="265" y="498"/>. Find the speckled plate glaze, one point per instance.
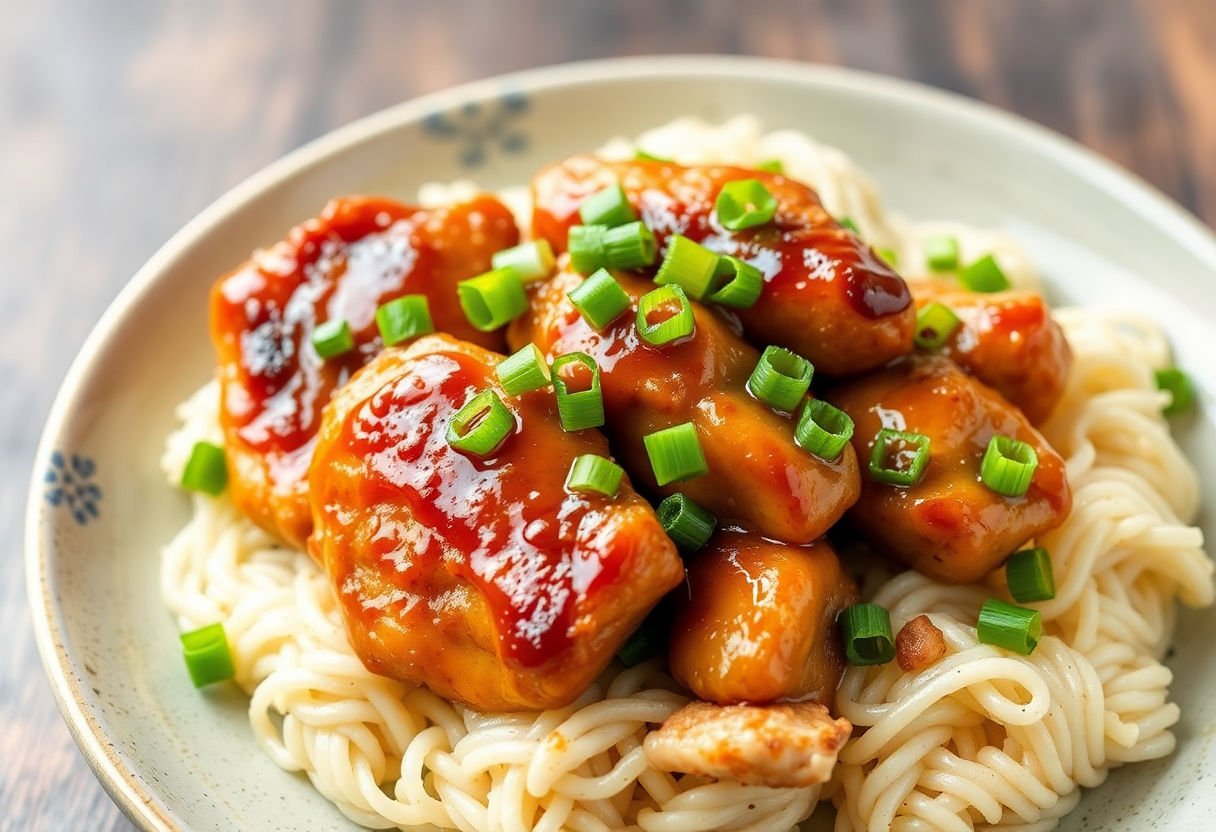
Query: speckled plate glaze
<point x="99" y="511"/>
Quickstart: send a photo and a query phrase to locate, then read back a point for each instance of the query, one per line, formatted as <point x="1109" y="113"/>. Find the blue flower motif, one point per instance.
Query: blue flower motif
<point x="478" y="128"/>
<point x="69" y="485"/>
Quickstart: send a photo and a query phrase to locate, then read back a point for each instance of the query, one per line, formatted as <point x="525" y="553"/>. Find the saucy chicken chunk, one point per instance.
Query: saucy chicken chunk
<point x="360" y="253"/>
<point x="757" y="475"/>
<point x="949" y="525"/>
<point x="1008" y="340"/>
<point x="483" y="578"/>
<point x="758" y="623"/>
<point x="828" y="296"/>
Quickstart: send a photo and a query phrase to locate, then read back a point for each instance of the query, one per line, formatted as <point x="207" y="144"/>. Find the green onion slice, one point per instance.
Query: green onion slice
<point x="847" y="222"/>
<point x="532" y="260"/>
<point x="206" y="470"/>
<point x="586" y="246"/>
<point x="867" y="634"/>
<point x="823" y="430"/>
<point x="941" y="252"/>
<point x="1012" y="627"/>
<point x="333" y="338"/>
<point x="1029" y="576"/>
<point x="889" y="256"/>
<point x="404" y="318"/>
<point x="645" y="643"/>
<point x="599" y="299"/>
<point x="1181" y="390"/>
<point x="935" y="323"/>
<point x="207" y="655"/>
<point x="664" y="316"/>
<point x="608" y="207"/>
<point x="493" y="299"/>
<point x="744" y="203"/>
<point x="1008" y="466"/>
<point x="582" y="408"/>
<point x="642" y="156"/>
<point x="481" y="425"/>
<point x="899" y="457"/>
<point x="675" y="454"/>
<point x="596" y="474"/>
<point x="686" y="522"/>
<point x="736" y="283"/>
<point x="781" y="378"/>
<point x="771" y="166"/>
<point x="984" y="275"/>
<point x="688" y="265"/>
<point x="524" y="371"/>
<point x="630" y="246"/>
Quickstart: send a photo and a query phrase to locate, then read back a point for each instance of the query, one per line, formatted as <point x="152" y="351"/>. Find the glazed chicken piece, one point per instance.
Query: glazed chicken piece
<point x="949" y="525"/>
<point x="758" y="622"/>
<point x="757" y="475"/>
<point x="484" y="579"/>
<point x="828" y="296"/>
<point x="360" y="253"/>
<point x="1008" y="340"/>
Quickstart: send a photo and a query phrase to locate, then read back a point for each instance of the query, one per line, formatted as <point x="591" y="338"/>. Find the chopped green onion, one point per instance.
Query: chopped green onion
<point x="629" y="246"/>
<point x="847" y="222"/>
<point x="736" y="283"/>
<point x="889" y="256"/>
<point x="524" y="371"/>
<point x="899" y="457"/>
<point x="688" y="265"/>
<point x="664" y="316"/>
<point x="207" y="655"/>
<point x="493" y="299"/>
<point x="935" y="323"/>
<point x="771" y="166"/>
<point x="867" y="634"/>
<point x="645" y="643"/>
<point x="1181" y="390"/>
<point x="984" y="275"/>
<point x="481" y="425"/>
<point x="642" y="156"/>
<point x="590" y="472"/>
<point x="608" y="207"/>
<point x="599" y="299"/>
<point x="1029" y="576"/>
<point x="1005" y="625"/>
<point x="781" y="378"/>
<point x="333" y="338"/>
<point x="941" y="252"/>
<point x="823" y="430"/>
<point x="1008" y="466"/>
<point x="586" y="246"/>
<point x="744" y="203"/>
<point x="686" y="522"/>
<point x="675" y="454"/>
<point x="532" y="260"/>
<point x="206" y="470"/>
<point x="404" y="318"/>
<point x="583" y="408"/>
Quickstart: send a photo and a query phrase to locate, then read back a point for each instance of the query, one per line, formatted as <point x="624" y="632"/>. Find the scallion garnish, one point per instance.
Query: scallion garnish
<point x="599" y="299"/>
<point x="847" y="222"/>
<point x="592" y="473"/>
<point x="686" y="522"/>
<point x="675" y="454"/>
<point x="688" y="265"/>
<point x="781" y="378"/>
<point x="941" y="252"/>
<point x="935" y="323"/>
<point x="736" y="283"/>
<point x="823" y="430"/>
<point x="524" y="371"/>
<point x="899" y="457"/>
<point x="642" y="156"/>
<point x="984" y="275"/>
<point x="608" y="207"/>
<point x="629" y="246"/>
<point x="207" y="655"/>
<point x="1008" y="466"/>
<point x="1180" y="388"/>
<point x="333" y="338"/>
<point x="1029" y="576"/>
<point x="867" y="634"/>
<point x="889" y="256"/>
<point x="481" y="425"/>
<point x="493" y="299"/>
<point x="206" y="470"/>
<point x="1005" y="625"/>
<point x="645" y="643"/>
<point x="744" y="203"/>
<point x="578" y="409"/>
<point x="586" y="246"/>
<point x="771" y="166"/>
<point x="664" y="316"/>
<point x="404" y="318"/>
<point x="532" y="260"/>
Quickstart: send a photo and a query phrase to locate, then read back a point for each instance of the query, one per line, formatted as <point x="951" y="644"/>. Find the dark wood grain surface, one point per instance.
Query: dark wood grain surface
<point x="121" y="120"/>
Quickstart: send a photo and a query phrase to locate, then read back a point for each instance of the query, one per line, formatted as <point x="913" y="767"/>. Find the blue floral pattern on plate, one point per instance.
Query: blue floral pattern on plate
<point x="69" y="484"/>
<point x="477" y="128"/>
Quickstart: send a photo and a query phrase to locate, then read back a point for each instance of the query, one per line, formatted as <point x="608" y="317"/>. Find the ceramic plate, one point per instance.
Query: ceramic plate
<point x="99" y="510"/>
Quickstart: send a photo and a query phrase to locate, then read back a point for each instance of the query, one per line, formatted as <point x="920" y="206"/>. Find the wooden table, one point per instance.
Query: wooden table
<point x="120" y="121"/>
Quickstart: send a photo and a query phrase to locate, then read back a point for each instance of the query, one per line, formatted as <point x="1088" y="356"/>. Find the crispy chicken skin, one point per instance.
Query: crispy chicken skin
<point x="757" y="476"/>
<point x="1008" y="340"/>
<point x="758" y="622"/>
<point x="828" y="296"/>
<point x="483" y="579"/>
<point x="360" y="253"/>
<point x="949" y="526"/>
